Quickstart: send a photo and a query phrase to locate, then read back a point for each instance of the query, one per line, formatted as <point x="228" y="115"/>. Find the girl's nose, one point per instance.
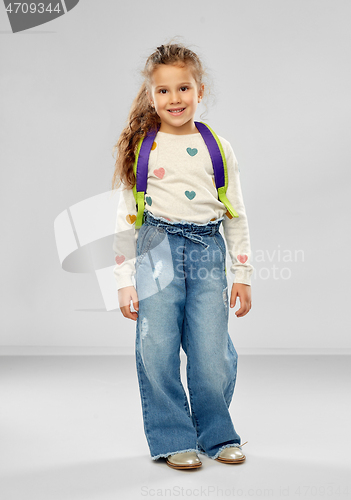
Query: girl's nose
<point x="175" y="98"/>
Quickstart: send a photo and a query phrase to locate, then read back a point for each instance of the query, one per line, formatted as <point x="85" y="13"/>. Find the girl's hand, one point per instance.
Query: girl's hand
<point x="244" y="293"/>
<point x="125" y="295"/>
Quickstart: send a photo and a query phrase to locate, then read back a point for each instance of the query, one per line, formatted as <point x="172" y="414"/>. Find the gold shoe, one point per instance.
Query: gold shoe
<point x="232" y="455"/>
<point x="187" y="460"/>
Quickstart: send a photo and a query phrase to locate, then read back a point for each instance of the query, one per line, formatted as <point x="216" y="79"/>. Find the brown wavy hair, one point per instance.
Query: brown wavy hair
<point x="142" y="116"/>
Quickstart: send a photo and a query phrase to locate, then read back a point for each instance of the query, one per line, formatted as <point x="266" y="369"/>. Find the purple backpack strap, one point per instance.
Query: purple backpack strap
<point x="215" y="153"/>
<point x="143" y="160"/>
<point x="219" y="164"/>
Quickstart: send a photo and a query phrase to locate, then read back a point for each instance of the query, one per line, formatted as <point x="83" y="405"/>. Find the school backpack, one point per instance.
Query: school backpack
<point x="219" y="164"/>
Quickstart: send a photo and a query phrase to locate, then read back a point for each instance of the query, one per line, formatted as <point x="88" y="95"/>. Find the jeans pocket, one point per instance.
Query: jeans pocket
<point x="218" y="238"/>
<point x="145" y="237"/>
<point x="141" y="237"/>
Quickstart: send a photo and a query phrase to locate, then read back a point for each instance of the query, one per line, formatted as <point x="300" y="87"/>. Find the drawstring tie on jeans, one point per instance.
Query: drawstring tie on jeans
<point x="181" y="230"/>
<point x="187" y="234"/>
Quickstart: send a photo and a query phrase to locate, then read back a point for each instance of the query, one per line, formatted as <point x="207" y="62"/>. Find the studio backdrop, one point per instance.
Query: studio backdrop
<point x="278" y="90"/>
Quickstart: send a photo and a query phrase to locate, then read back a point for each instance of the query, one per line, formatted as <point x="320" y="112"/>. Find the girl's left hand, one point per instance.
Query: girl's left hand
<point x="244" y="293"/>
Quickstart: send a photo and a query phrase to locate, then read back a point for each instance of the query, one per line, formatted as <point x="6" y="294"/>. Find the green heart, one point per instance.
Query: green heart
<point x="149" y="200"/>
<point x="191" y="152"/>
<point x="190" y="194"/>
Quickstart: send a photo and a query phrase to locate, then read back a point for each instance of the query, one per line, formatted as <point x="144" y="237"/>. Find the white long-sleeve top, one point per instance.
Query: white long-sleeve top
<point x="181" y="188"/>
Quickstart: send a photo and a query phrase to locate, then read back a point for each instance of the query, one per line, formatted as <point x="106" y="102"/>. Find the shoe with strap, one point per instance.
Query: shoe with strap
<point x="232" y="455"/>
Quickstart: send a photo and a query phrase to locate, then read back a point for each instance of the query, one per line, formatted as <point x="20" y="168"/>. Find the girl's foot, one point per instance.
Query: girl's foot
<point x="232" y="455"/>
<point x="187" y="460"/>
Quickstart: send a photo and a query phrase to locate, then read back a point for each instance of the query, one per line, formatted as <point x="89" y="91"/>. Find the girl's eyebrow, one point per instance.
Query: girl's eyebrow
<point x="179" y="85"/>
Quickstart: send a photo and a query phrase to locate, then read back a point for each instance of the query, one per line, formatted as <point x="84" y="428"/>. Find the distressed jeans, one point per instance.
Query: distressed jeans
<point x="183" y="302"/>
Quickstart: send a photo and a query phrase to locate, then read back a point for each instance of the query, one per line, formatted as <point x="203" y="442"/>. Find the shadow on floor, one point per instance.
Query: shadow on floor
<point x="140" y="477"/>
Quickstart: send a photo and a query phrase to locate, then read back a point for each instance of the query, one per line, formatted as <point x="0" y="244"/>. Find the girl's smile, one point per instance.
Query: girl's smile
<point x="175" y="96"/>
<point x="176" y="111"/>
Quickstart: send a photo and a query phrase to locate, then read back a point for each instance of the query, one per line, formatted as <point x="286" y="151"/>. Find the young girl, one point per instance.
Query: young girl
<point x="177" y="259"/>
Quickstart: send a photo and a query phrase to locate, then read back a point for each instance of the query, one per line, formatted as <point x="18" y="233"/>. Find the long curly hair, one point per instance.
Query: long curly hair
<point x="142" y="116"/>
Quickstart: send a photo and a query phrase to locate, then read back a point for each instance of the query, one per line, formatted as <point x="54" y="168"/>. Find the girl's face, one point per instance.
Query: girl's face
<point x="175" y="96"/>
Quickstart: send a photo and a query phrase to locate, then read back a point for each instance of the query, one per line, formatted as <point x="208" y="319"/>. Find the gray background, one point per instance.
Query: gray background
<point x="280" y="80"/>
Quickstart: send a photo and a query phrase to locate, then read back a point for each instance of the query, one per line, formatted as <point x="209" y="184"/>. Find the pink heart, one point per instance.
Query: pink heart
<point x="159" y="172"/>
<point x="242" y="258"/>
<point x="119" y="259"/>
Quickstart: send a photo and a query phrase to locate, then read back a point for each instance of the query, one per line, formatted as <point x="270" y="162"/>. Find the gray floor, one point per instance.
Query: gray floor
<point x="71" y="428"/>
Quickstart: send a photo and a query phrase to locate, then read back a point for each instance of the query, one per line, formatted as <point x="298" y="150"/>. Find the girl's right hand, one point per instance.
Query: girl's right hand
<point x="125" y="295"/>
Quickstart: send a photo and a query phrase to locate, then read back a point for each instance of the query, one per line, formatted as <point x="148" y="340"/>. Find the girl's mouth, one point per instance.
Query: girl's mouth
<point x="178" y="111"/>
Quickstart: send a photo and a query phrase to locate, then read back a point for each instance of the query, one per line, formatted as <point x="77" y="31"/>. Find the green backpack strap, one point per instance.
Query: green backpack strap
<point x="141" y="168"/>
<point x="139" y="196"/>
<point x="219" y="163"/>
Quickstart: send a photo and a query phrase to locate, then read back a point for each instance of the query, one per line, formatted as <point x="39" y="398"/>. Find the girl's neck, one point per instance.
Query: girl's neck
<point x="178" y="135"/>
<point x="189" y="129"/>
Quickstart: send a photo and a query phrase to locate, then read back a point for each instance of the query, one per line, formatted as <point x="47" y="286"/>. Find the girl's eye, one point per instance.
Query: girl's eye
<point x="163" y="91"/>
<point x="183" y="88"/>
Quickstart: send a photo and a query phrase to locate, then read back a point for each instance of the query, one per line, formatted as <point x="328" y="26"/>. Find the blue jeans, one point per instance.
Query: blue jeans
<point x="183" y="302"/>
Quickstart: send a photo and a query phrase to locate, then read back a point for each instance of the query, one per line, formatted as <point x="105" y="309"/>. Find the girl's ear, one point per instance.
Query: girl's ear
<point x="201" y="92"/>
